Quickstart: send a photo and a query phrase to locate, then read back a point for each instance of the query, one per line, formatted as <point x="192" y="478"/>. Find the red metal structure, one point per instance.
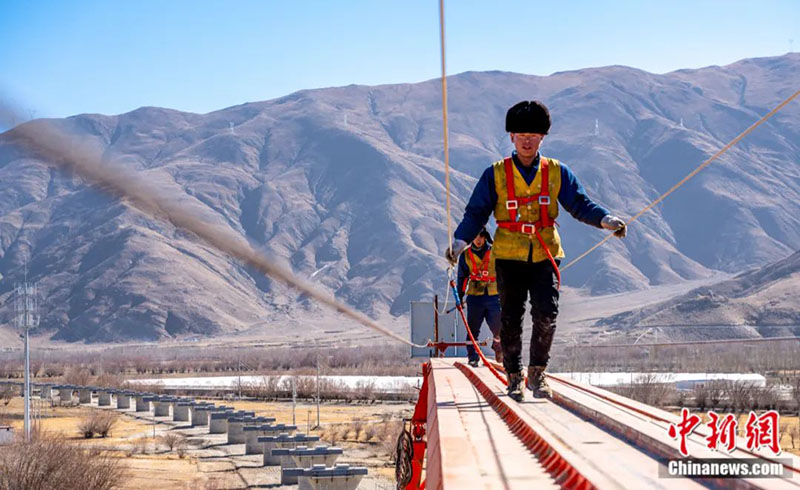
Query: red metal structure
<point x="467" y="433"/>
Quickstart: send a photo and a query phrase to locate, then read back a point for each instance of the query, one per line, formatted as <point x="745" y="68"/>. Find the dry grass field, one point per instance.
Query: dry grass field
<point x="366" y="432"/>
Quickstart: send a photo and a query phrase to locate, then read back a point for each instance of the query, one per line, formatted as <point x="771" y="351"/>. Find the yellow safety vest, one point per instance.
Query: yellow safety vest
<point x="518" y="212"/>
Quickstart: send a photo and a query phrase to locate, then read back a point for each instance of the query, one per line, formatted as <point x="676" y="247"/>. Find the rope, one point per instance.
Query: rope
<point x="690" y="175"/>
<point x="137" y="189"/>
<point x="446" y="296"/>
<point x="403" y="454"/>
<point x="472" y="338"/>
<point x="444" y="120"/>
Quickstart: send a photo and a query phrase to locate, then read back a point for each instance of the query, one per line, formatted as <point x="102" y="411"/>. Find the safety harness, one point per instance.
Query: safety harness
<point x="542" y="198"/>
<point x="479" y="274"/>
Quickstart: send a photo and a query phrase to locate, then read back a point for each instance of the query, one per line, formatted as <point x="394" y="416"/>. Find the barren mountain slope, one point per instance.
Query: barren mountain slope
<point x="345" y="185"/>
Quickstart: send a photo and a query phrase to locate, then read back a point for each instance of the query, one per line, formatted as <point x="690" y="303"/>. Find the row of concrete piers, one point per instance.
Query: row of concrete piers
<point x="303" y="461"/>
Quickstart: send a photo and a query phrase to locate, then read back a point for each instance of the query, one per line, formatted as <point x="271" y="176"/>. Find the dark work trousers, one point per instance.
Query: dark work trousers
<point x="516" y="280"/>
<point x="480" y="308"/>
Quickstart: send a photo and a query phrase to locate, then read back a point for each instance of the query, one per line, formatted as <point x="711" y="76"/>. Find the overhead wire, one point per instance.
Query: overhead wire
<point x="451" y="282"/>
<point x="445" y="128"/>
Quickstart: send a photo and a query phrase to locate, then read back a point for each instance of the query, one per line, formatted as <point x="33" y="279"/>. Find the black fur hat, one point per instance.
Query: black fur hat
<point x="528" y="116"/>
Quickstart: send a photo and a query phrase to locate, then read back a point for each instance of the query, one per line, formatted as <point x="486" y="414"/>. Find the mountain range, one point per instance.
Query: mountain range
<point x="345" y="185"/>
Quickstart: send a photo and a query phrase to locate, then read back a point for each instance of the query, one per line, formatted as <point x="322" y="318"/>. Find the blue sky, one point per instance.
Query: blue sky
<point x="59" y="58"/>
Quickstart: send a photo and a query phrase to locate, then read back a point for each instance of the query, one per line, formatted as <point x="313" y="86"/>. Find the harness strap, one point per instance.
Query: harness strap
<point x="480" y="274"/>
<point x="550" y="257"/>
<point x="542" y="198"/>
<point x="511" y="203"/>
<point x="544" y="194"/>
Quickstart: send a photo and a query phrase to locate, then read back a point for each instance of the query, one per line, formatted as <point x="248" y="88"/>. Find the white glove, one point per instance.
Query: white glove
<point x="452" y="255"/>
<point x="613" y="223"/>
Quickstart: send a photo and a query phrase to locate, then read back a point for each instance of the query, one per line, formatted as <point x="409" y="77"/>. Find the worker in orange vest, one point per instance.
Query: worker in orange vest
<point x="476" y="279"/>
<point x="524" y="192"/>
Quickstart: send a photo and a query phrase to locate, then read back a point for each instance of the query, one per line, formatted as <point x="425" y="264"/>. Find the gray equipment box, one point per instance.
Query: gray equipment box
<point x="451" y="329"/>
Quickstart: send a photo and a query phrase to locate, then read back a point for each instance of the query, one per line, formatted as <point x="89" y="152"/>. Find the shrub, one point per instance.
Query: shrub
<point x="157" y="387"/>
<point x="104" y="422"/>
<point x="390" y="431"/>
<point x="77" y="376"/>
<point x="86" y="426"/>
<point x="107" y="380"/>
<point x="331" y="435"/>
<point x="181" y="448"/>
<point x="370" y="431"/>
<point x="54" y="463"/>
<point x="793" y="431"/>
<point x="7" y="394"/>
<point x="98" y="422"/>
<point x="172" y="440"/>
<point x="141" y="445"/>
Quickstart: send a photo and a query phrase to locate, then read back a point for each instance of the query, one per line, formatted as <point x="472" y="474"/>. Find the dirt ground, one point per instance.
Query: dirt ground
<point x="366" y="432"/>
<point x="208" y="462"/>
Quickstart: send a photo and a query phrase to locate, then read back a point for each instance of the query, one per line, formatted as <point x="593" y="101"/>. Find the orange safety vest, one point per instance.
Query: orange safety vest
<point x="481" y="275"/>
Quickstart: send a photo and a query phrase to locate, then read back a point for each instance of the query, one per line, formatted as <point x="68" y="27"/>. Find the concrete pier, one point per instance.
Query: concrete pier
<point x="258" y="421"/>
<point x="304" y="457"/>
<point x="339" y="477"/>
<point x="65" y="394"/>
<point x="103" y="398"/>
<point x="85" y="395"/>
<point x="284" y="441"/>
<point x="46" y="392"/>
<point x="141" y="404"/>
<point x="252" y="433"/>
<point x="235" y="432"/>
<point x="161" y="407"/>
<point x="198" y="413"/>
<point x="218" y="423"/>
<point x="180" y="411"/>
<point x="123" y="400"/>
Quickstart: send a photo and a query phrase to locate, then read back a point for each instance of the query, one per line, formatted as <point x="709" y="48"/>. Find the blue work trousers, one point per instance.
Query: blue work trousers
<point x="480" y="308"/>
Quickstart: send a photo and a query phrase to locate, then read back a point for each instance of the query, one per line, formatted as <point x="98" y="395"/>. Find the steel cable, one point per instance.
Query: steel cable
<point x="689" y="176"/>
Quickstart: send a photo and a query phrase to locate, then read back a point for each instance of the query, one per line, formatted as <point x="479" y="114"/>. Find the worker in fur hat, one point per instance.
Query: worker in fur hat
<point x="525" y="191"/>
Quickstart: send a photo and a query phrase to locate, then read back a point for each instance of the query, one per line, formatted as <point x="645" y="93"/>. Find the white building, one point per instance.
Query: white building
<point x="682" y="381"/>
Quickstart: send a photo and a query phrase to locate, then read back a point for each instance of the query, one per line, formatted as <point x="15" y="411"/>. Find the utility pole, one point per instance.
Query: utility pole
<point x="26" y="318"/>
<point x="239" y="372"/>
<point x="294" y="400"/>
<point x="317" y="383"/>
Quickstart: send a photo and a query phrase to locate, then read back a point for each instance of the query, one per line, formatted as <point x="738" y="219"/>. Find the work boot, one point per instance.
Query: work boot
<point x="537" y="382"/>
<point x="498" y="351"/>
<point x="515" y="390"/>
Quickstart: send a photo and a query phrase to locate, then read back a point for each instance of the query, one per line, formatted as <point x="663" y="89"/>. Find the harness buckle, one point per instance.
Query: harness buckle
<point x="484" y="273"/>
<point x="528" y="229"/>
<point x="512" y="204"/>
<point x="544" y="200"/>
